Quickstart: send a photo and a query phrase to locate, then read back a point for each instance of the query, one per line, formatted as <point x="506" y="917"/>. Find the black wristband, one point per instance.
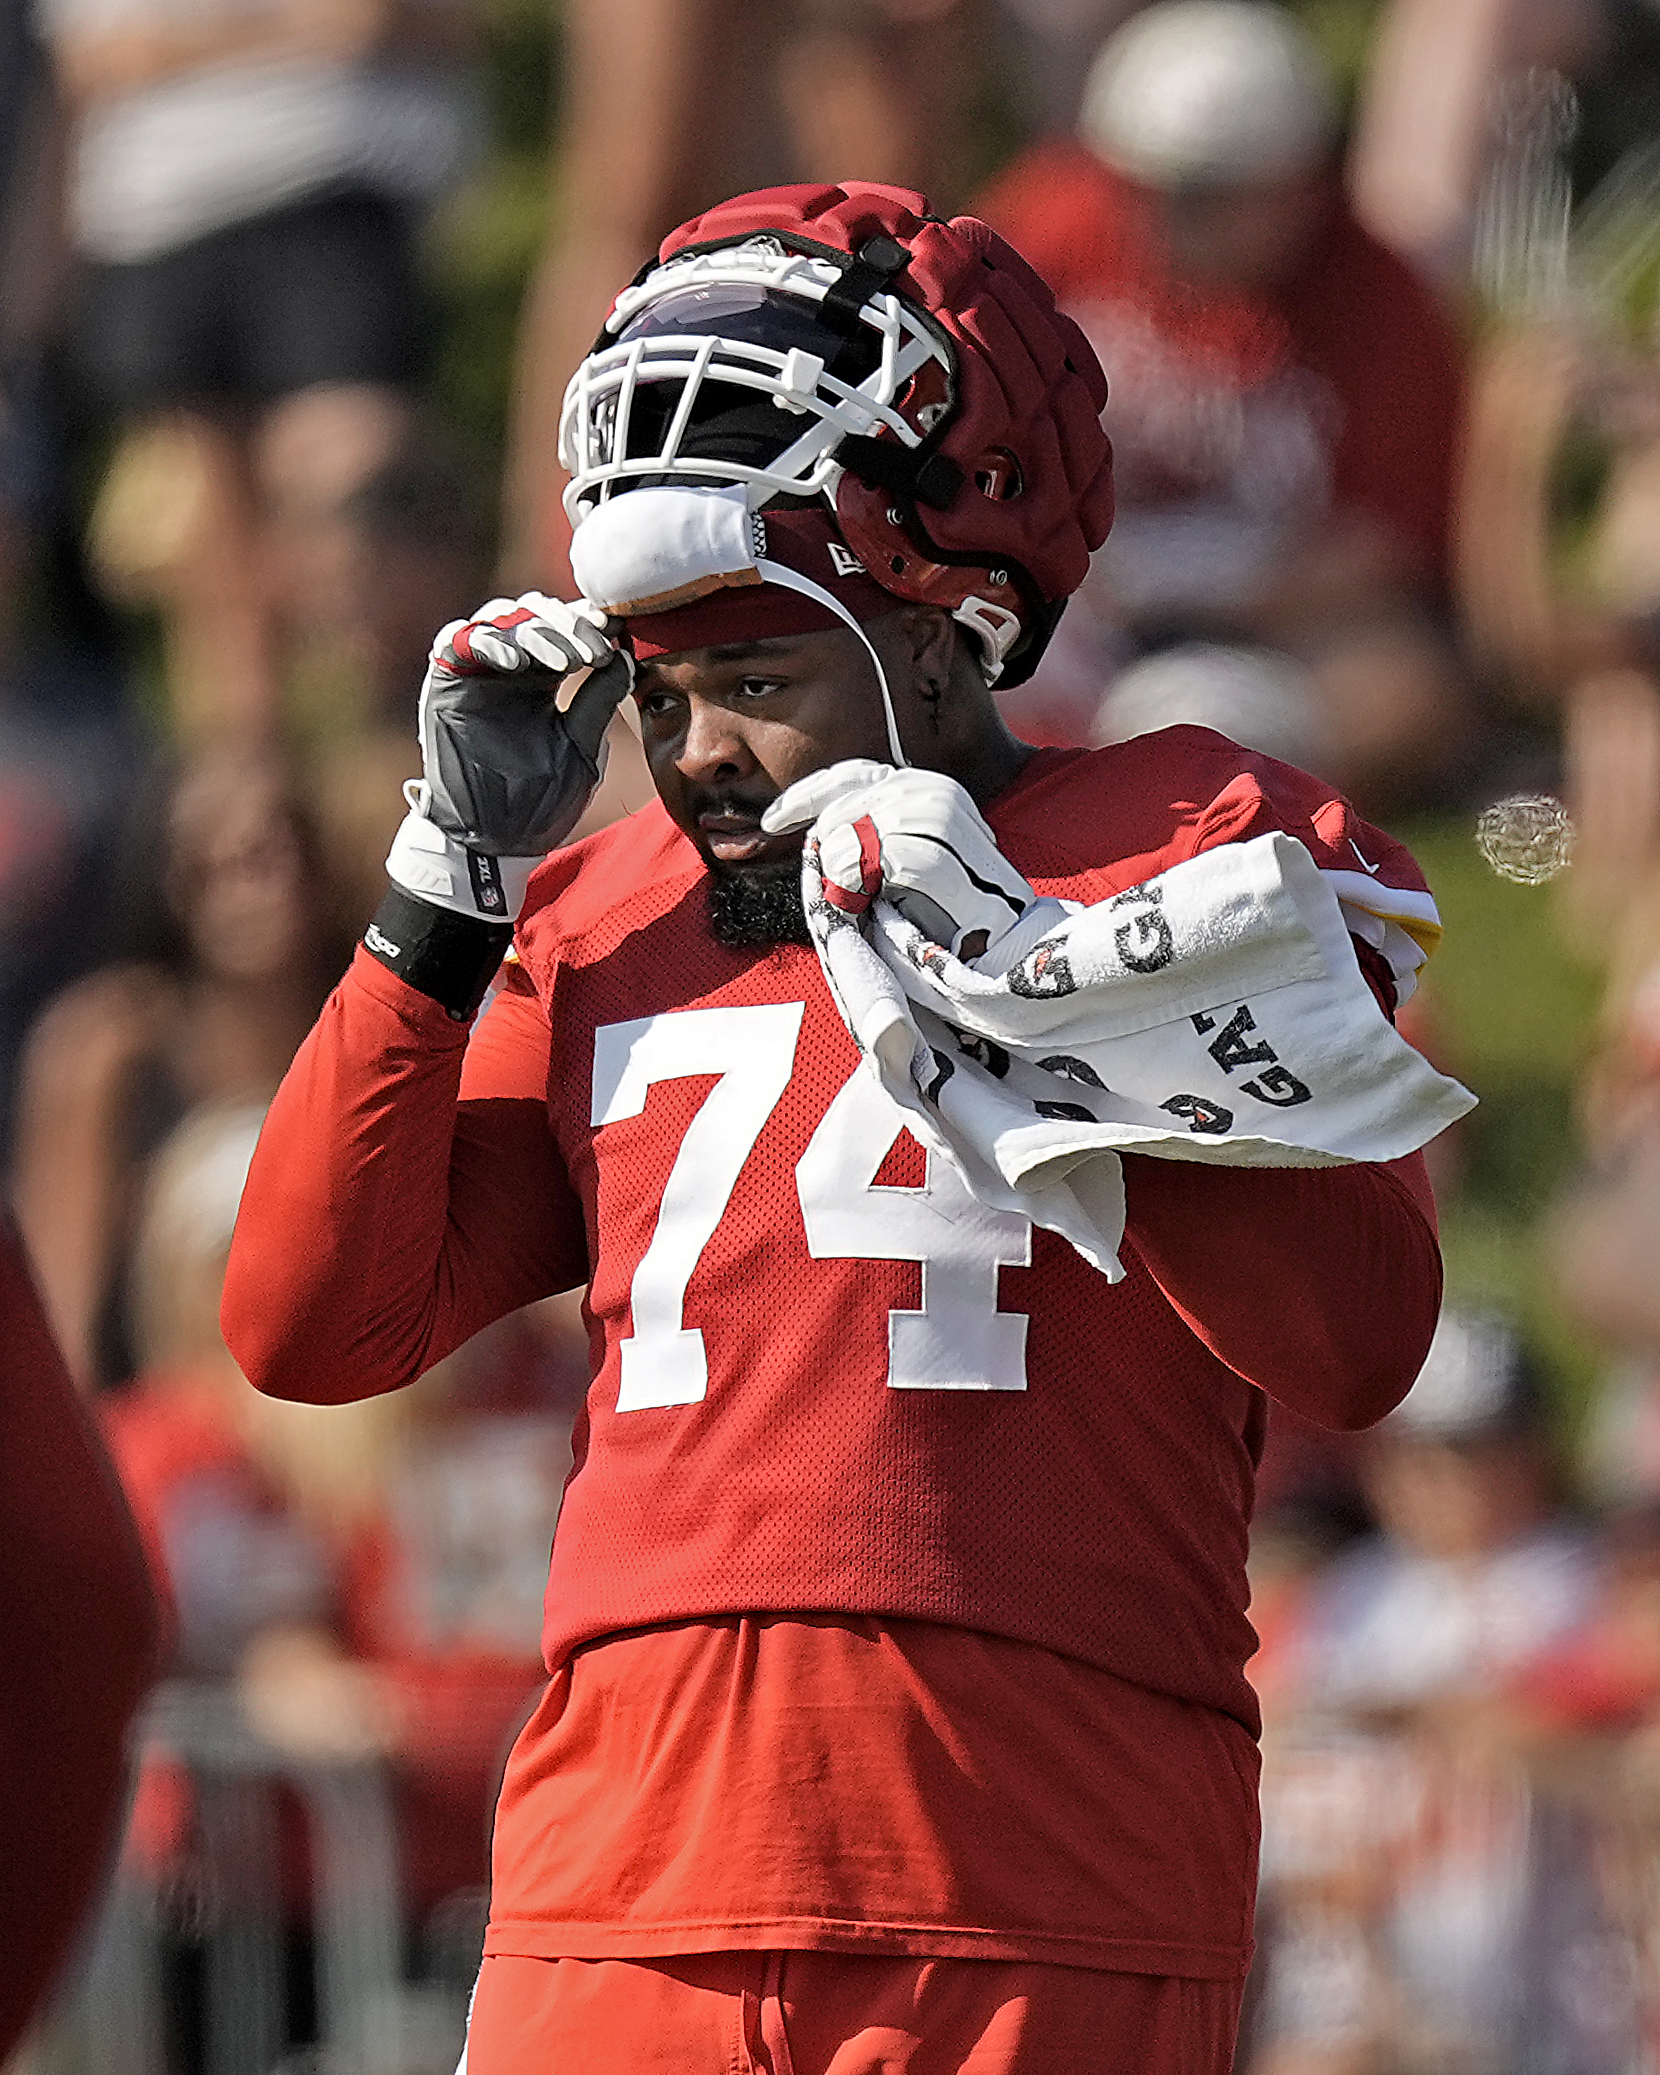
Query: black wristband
<point x="450" y="958"/>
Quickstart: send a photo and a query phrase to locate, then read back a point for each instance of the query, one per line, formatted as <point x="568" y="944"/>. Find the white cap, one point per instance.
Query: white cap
<point x="1475" y="1381"/>
<point x="1209" y="91"/>
<point x="197" y="1176"/>
<point x="1257" y="697"/>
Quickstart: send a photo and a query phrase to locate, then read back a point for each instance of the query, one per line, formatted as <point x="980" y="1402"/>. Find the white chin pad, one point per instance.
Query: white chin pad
<point x="655" y="549"/>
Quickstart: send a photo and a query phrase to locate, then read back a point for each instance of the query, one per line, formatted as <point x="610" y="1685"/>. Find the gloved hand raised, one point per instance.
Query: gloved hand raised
<point x="506" y="773"/>
<point x="916" y="838"/>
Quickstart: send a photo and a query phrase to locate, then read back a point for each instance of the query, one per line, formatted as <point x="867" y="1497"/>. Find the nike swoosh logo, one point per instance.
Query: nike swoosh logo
<point x="1355" y="847"/>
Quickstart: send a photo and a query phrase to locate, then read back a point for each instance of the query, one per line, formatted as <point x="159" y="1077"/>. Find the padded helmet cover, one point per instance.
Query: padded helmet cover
<point x="1023" y="426"/>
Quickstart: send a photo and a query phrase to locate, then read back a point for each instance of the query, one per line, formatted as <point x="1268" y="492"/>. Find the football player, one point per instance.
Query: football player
<point x="896" y="1629"/>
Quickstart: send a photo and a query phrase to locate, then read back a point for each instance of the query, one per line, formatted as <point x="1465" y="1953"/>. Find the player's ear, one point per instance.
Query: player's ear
<point x="932" y="639"/>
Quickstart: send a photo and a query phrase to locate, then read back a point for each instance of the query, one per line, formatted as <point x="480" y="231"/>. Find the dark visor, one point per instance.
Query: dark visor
<point x="729" y="423"/>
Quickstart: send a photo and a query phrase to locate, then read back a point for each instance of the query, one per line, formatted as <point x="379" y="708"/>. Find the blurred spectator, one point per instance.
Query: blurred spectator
<point x="1553" y="594"/>
<point x="1603" y="1232"/>
<point x="723" y="96"/>
<point x="370" y="1577"/>
<point x="1604" y="1674"/>
<point x="1266" y="700"/>
<point x="1475" y="1569"/>
<point x="65" y="748"/>
<point x="1455" y="114"/>
<point x="34" y="258"/>
<point x="81" y="1635"/>
<point x="233" y="1559"/>
<point x="408" y="551"/>
<point x="21" y="75"/>
<point x="251" y="1584"/>
<point x="1285" y="394"/>
<point x="230" y="954"/>
<point x="1053" y="42"/>
<point x="1398" y="1853"/>
<point x="1560" y="584"/>
<point x="245" y="191"/>
<point x="1554" y="202"/>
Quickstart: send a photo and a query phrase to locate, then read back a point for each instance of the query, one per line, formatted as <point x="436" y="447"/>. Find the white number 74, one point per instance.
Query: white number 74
<point x="957" y="1339"/>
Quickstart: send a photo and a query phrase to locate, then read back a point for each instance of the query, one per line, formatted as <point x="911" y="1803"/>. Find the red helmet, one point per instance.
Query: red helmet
<point x="842" y="343"/>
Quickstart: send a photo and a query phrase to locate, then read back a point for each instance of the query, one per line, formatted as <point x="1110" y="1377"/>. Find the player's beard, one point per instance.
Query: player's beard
<point x="754" y="909"/>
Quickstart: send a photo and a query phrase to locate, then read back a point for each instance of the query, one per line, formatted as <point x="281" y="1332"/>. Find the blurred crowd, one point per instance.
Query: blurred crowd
<point x="1377" y="287"/>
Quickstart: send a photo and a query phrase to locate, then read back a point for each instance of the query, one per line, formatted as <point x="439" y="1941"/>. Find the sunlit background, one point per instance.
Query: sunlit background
<point x="289" y="293"/>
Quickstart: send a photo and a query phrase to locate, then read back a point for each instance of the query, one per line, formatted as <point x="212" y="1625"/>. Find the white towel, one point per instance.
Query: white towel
<point x="1215" y="1013"/>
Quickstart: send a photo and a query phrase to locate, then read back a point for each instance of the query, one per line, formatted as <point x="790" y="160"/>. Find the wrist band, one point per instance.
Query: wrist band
<point x="450" y="958"/>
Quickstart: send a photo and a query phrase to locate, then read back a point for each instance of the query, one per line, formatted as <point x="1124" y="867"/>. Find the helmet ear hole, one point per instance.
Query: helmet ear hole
<point x="998" y="475"/>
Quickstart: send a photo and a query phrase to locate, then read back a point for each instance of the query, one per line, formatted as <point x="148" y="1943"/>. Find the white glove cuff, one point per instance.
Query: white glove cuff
<point x="433" y="867"/>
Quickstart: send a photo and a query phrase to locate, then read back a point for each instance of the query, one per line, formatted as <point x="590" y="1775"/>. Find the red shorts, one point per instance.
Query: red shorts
<point x="817" y="2013"/>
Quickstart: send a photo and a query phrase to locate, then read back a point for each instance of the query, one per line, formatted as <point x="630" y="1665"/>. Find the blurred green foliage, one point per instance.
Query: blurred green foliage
<point x="1343" y="30"/>
<point x="484" y="243"/>
<point x="1515" y="1013"/>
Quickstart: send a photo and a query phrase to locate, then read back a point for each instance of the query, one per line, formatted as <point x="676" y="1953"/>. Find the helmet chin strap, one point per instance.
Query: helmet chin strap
<point x="792" y="580"/>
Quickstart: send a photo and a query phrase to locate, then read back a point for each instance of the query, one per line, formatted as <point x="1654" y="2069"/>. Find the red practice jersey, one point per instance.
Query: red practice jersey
<point x="854" y="1440"/>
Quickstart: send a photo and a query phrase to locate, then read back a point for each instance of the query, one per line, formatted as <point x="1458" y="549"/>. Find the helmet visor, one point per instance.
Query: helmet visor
<point x="731" y="421"/>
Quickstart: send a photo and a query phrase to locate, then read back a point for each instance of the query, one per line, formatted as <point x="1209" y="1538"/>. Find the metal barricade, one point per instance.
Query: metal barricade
<point x="223" y="1900"/>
